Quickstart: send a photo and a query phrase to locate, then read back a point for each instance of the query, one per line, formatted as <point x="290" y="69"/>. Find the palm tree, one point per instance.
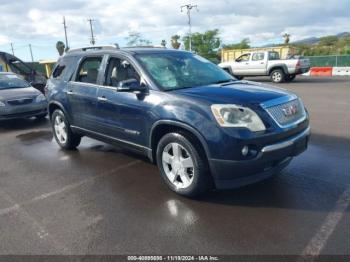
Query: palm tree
<point x="163" y="43"/>
<point x="174" y="41"/>
<point x="60" y="46"/>
<point x="286" y="37"/>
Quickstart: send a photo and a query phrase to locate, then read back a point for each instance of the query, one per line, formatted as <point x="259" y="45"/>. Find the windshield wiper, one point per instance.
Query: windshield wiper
<point x="224" y="81"/>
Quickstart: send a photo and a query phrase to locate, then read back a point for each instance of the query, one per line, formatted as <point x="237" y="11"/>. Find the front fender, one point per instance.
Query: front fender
<point x="182" y="125"/>
<point x="189" y="115"/>
<point x="61" y="107"/>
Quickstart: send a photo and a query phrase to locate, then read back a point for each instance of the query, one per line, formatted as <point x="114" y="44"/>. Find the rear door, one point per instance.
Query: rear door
<point x="82" y="92"/>
<point x="257" y="65"/>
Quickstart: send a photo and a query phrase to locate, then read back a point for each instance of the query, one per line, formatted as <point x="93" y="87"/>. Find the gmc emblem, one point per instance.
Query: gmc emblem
<point x="290" y="110"/>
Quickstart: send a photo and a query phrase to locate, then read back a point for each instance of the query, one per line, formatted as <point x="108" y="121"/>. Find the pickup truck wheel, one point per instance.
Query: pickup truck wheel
<point x="64" y="136"/>
<point x="277" y="76"/>
<point x="289" y="78"/>
<point x="182" y="166"/>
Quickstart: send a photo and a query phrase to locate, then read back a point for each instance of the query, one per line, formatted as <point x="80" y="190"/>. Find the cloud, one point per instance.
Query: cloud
<point x="40" y="21"/>
<point x="4" y="39"/>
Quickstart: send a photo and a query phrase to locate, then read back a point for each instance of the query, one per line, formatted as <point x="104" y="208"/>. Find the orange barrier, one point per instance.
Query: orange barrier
<point x="321" y="71"/>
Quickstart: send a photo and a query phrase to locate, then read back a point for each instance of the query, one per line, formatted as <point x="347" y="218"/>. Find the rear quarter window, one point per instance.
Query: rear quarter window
<point x="57" y="73"/>
<point x="65" y="68"/>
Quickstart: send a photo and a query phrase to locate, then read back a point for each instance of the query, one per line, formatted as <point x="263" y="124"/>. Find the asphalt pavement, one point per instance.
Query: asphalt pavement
<point x="101" y="199"/>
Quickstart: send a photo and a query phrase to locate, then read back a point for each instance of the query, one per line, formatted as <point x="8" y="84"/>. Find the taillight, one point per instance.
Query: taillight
<point x="298" y="64"/>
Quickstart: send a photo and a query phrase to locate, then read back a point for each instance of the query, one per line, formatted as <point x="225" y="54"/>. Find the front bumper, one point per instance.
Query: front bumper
<point x="270" y="160"/>
<point x="24" y="112"/>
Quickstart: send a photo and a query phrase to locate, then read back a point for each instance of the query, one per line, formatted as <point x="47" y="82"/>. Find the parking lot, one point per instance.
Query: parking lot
<point x="103" y="200"/>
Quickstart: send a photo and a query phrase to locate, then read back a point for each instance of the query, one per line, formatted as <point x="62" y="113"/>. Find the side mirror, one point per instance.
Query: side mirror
<point x="130" y="85"/>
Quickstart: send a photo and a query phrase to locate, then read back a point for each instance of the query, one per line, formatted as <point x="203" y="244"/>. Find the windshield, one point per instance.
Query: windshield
<point x="176" y="70"/>
<point x="8" y="81"/>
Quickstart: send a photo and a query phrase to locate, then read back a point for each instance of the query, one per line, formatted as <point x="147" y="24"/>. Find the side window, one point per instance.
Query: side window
<point x="88" y="70"/>
<point x="243" y="58"/>
<point x="258" y="56"/>
<point x="119" y="70"/>
<point x="274" y="56"/>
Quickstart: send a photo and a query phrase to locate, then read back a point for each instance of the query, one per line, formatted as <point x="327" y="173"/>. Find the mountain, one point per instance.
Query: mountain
<point x="308" y="41"/>
<point x="315" y="40"/>
<point x="344" y="34"/>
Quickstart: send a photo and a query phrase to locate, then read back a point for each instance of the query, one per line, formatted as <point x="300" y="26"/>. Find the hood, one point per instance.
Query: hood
<point x="239" y="92"/>
<point x="14" y="93"/>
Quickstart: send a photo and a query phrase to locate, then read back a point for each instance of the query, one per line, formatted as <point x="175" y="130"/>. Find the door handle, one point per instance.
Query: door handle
<point x="262" y="63"/>
<point x="102" y="99"/>
<point x="70" y="92"/>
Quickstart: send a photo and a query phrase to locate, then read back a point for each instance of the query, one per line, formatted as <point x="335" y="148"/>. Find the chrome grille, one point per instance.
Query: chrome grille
<point x="287" y="113"/>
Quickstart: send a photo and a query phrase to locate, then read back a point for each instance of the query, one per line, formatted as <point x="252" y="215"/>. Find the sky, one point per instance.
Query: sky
<point x="39" y="22"/>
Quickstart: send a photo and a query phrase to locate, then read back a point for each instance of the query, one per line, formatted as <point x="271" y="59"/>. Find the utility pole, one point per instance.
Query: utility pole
<point x="13" y="52"/>
<point x="189" y="8"/>
<point x="31" y="52"/>
<point x="65" y="32"/>
<point x="92" y="41"/>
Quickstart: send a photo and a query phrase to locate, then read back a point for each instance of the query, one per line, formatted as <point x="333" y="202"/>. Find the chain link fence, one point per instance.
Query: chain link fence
<point x="335" y="60"/>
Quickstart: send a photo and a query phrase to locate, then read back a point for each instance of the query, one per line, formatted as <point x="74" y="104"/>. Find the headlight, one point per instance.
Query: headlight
<point x="40" y="98"/>
<point x="2" y="104"/>
<point x="237" y="116"/>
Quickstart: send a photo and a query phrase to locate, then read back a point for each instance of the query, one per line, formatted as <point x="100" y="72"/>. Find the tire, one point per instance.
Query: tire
<point x="289" y="78"/>
<point x="63" y="134"/>
<point x="277" y="76"/>
<point x="188" y="181"/>
<point x="239" y="77"/>
<point x="229" y="71"/>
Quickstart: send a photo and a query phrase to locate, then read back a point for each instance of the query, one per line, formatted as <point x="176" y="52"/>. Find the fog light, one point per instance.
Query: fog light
<point x="245" y="150"/>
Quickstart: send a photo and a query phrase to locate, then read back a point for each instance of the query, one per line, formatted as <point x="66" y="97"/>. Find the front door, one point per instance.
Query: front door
<point x="122" y="115"/>
<point x="82" y="93"/>
<point x="241" y="65"/>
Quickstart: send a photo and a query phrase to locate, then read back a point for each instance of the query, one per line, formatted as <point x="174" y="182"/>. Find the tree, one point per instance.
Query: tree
<point x="244" y="44"/>
<point x="175" y="41"/>
<point x="135" y="39"/>
<point x="286" y="37"/>
<point x="328" y="40"/>
<point x="205" y="44"/>
<point x="60" y="46"/>
<point x="163" y="43"/>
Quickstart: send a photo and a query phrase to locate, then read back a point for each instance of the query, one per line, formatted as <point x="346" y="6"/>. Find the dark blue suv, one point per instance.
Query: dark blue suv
<point x="202" y="127"/>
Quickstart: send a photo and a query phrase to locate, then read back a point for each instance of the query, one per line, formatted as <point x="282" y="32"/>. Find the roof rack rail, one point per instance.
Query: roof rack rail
<point x="94" y="48"/>
<point x="146" y="46"/>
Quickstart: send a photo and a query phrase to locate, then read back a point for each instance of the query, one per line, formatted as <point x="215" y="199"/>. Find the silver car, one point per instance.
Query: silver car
<point x="18" y="99"/>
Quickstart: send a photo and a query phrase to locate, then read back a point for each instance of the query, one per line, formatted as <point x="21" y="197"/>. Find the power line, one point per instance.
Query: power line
<point x="92" y="40"/>
<point x="189" y="7"/>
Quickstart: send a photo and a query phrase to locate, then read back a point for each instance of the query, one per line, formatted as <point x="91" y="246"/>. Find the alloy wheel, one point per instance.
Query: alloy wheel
<point x="178" y="165"/>
<point x="60" y="129"/>
<point x="276" y="76"/>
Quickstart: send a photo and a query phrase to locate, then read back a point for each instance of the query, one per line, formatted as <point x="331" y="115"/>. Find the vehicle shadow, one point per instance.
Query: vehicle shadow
<point x="22" y="124"/>
<point x="313" y="181"/>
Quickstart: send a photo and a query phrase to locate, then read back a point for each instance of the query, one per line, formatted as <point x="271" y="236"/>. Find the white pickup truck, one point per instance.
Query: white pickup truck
<point x="266" y="63"/>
